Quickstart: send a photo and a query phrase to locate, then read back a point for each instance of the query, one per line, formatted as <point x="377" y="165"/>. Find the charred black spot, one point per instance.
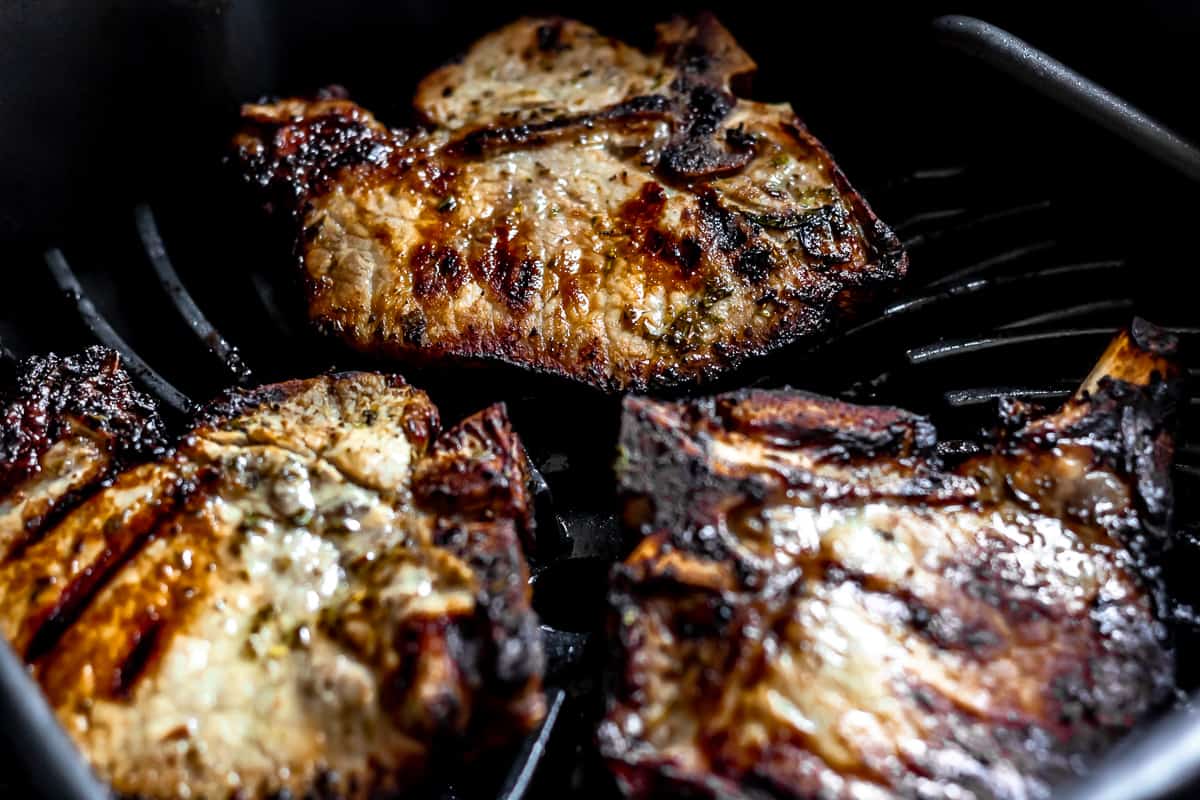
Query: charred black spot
<point x="722" y="228"/>
<point x="706" y="107"/>
<point x="287" y="162"/>
<point x="413" y="328"/>
<point x="549" y="37"/>
<point x="436" y="270"/>
<point x="694" y="151"/>
<point x="51" y="394"/>
<point x="755" y="264"/>
<point x="739" y="138"/>
<point x="826" y="234"/>
<point x="642" y="104"/>
<point x="689" y="252"/>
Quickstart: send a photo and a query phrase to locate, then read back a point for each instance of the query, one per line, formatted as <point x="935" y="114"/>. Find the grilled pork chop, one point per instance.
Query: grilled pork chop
<point x="318" y="593"/>
<point x="576" y="206"/>
<point x="823" y="609"/>
<point x="66" y="424"/>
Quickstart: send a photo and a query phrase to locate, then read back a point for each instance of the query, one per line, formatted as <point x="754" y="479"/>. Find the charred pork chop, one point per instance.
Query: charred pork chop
<point x="575" y="206"/>
<point x="823" y="609"/>
<point x="317" y="594"/>
<point x="66" y="425"/>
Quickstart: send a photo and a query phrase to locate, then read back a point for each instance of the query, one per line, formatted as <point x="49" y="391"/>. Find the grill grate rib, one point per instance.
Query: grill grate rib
<point x="516" y="785"/>
<point x="156" y="253"/>
<point x="974" y="224"/>
<point x="940" y="215"/>
<point x="64" y="276"/>
<point x="1123" y="305"/>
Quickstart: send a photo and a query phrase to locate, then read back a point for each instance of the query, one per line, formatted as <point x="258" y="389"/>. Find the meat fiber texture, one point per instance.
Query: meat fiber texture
<point x="823" y="608"/>
<point x="318" y="592"/>
<point x="574" y="206"/>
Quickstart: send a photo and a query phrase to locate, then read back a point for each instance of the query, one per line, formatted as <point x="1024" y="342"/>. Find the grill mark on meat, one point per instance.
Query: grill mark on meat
<point x="436" y="271"/>
<point x="507" y="268"/>
<point x="113" y="607"/>
<point x="144" y="637"/>
<point x="44" y="631"/>
<point x="574" y="268"/>
<point x="38" y="523"/>
<point x="146" y="604"/>
<point x="667" y="258"/>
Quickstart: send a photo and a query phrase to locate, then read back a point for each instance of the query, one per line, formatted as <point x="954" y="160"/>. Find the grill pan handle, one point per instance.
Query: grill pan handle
<point x="1017" y="58"/>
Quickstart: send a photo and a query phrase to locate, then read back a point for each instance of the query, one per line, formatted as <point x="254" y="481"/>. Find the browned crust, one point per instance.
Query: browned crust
<point x="298" y="152"/>
<point x="693" y="606"/>
<point x="97" y="601"/>
<point x="54" y="399"/>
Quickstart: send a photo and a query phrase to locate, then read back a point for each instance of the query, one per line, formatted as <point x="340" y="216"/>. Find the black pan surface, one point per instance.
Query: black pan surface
<point x="1034" y="233"/>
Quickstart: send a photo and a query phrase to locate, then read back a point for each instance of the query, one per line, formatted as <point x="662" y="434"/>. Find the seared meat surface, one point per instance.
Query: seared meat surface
<point x="66" y="424"/>
<point x="318" y="593"/>
<point x="575" y="206"/>
<point x="822" y="608"/>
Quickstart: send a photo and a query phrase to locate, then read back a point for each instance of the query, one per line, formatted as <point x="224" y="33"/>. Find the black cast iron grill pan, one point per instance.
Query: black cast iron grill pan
<point x="1013" y="293"/>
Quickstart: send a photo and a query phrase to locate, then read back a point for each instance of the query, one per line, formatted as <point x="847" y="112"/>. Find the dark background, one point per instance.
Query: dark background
<point x="107" y="104"/>
<point x="105" y="101"/>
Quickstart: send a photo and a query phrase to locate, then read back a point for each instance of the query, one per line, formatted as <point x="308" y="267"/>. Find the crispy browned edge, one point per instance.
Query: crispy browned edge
<point x="51" y="398"/>
<point x="483" y="510"/>
<point x="1125" y="410"/>
<point x="337" y="139"/>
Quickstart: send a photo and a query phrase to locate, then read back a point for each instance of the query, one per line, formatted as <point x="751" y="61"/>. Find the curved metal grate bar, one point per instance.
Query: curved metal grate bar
<point x="516" y="785"/>
<point x="267" y="296"/>
<point x="1007" y="257"/>
<point x="1070" y="312"/>
<point x="920" y="218"/>
<point x="156" y="252"/>
<point x="551" y="535"/>
<point x="979" y="285"/>
<point x="99" y="327"/>
<point x="972" y="397"/>
<point x="1018" y="59"/>
<point x="956" y="347"/>
<point x="1002" y="215"/>
<point x="924" y="175"/>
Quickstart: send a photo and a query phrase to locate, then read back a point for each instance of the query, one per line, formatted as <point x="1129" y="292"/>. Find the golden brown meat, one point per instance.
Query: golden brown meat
<point x="318" y="593"/>
<point x="577" y="207"/>
<point x="823" y="610"/>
